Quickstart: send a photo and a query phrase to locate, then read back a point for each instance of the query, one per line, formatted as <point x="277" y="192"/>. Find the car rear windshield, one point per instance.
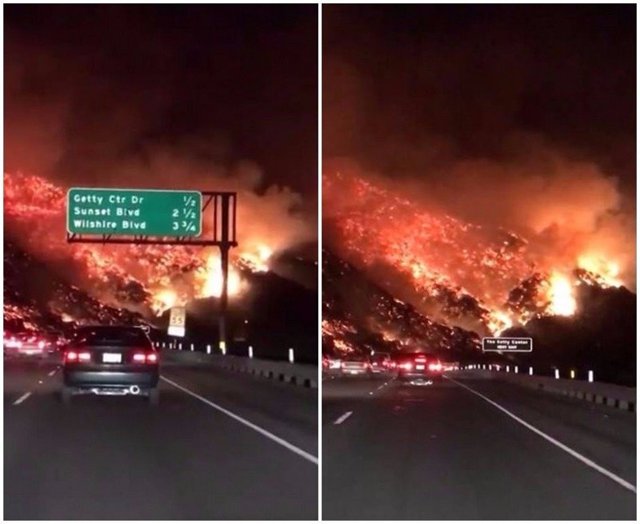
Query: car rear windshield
<point x="112" y="336"/>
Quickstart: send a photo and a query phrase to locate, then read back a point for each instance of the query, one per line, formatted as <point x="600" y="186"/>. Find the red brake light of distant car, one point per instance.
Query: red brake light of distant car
<point x="406" y="365"/>
<point x="70" y="356"/>
<point x="435" y="366"/>
<point x="41" y="344"/>
<point x="152" y="358"/>
<point x="334" y="364"/>
<point x="421" y="359"/>
<point x="85" y="356"/>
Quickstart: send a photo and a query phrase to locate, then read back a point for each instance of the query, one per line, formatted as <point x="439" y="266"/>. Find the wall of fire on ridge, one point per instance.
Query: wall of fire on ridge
<point x="154" y="278"/>
<point x="461" y="274"/>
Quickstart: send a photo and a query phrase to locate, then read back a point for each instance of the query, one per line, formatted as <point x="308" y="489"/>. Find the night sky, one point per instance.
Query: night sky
<point x="407" y="88"/>
<point x="90" y="89"/>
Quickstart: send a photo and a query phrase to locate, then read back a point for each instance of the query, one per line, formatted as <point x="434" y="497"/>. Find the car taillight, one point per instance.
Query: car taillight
<point x="77" y="356"/>
<point x="145" y="358"/>
<point x="435" y="366"/>
<point x="41" y="344"/>
<point x="406" y="365"/>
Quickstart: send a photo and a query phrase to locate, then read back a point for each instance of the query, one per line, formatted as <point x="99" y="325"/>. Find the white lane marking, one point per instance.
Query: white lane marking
<point x="343" y="417"/>
<point x="378" y="388"/>
<point x="22" y="398"/>
<point x="53" y="372"/>
<point x="251" y="425"/>
<point x="553" y="441"/>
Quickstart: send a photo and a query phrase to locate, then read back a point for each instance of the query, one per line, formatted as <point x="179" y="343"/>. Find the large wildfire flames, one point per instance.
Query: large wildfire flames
<point x="158" y="276"/>
<point x="451" y="268"/>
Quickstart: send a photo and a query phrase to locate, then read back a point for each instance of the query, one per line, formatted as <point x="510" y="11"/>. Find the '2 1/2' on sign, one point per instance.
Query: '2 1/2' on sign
<point x="134" y="212"/>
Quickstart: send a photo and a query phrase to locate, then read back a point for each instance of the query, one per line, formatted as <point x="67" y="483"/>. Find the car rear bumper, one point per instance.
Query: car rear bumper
<point x="111" y="379"/>
<point x="356" y="371"/>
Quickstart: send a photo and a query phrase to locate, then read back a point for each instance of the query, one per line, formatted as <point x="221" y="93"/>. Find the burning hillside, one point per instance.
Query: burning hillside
<point x="358" y="315"/>
<point x="482" y="278"/>
<point x="36" y="297"/>
<point x="149" y="278"/>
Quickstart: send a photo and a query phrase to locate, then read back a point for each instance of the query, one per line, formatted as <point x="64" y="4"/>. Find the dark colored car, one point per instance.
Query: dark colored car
<point x="419" y="368"/>
<point x="111" y="360"/>
<point x="380" y="363"/>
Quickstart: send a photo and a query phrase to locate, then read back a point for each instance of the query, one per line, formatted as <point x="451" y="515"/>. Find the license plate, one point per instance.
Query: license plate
<point x="112" y="358"/>
<point x="419" y="367"/>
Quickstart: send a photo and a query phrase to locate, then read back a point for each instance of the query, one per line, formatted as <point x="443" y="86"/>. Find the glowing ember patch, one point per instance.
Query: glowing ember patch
<point x="211" y="279"/>
<point x="163" y="300"/>
<point x="257" y="261"/>
<point x="606" y="271"/>
<point x="499" y="321"/>
<point x="562" y="301"/>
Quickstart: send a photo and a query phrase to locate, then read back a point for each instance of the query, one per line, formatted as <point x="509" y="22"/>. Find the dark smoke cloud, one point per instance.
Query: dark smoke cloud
<point x="407" y="87"/>
<point x="165" y="96"/>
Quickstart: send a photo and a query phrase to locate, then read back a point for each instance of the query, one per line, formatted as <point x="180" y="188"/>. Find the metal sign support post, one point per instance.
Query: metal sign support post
<point x="223" y="236"/>
<point x="224" y="262"/>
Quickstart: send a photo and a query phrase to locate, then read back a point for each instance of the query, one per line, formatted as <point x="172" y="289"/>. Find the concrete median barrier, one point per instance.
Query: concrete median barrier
<point x="304" y="375"/>
<point x="612" y="395"/>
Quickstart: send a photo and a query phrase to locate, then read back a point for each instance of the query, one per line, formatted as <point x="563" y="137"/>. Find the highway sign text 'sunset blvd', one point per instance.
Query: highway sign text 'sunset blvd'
<point x="134" y="212"/>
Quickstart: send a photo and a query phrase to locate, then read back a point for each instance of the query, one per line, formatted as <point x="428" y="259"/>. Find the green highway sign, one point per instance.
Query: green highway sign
<point x="146" y="212"/>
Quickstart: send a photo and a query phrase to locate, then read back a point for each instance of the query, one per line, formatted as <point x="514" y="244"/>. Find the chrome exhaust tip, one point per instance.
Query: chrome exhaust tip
<point x="134" y="390"/>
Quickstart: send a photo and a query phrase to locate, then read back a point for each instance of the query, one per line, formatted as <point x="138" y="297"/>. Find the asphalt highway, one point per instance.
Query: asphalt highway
<point x="446" y="451"/>
<point x="220" y="445"/>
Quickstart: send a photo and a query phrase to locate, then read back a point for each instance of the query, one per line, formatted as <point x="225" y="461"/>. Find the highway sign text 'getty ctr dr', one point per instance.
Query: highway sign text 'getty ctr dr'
<point x="145" y="212"/>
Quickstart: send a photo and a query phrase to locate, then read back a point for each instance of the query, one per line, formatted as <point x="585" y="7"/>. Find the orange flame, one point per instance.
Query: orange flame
<point x="169" y="275"/>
